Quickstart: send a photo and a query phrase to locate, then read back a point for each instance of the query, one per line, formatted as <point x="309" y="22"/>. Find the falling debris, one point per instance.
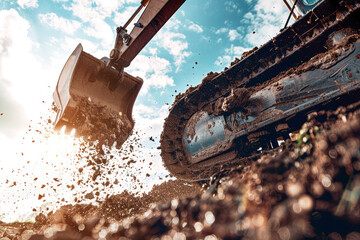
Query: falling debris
<point x="102" y="124"/>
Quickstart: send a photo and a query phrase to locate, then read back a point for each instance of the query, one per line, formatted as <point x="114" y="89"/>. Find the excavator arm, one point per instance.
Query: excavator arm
<point x="89" y="84"/>
<point x="155" y="15"/>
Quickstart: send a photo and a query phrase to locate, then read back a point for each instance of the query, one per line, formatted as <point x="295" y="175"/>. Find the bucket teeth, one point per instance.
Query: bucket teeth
<point x="68" y="130"/>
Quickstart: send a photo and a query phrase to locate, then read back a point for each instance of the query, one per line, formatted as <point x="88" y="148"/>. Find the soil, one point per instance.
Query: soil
<point x="306" y="189"/>
<point x="101" y="124"/>
<point x="235" y="101"/>
<point x="324" y="60"/>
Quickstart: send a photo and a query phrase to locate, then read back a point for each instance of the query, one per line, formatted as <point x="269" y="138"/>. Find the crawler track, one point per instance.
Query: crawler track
<point x="296" y="50"/>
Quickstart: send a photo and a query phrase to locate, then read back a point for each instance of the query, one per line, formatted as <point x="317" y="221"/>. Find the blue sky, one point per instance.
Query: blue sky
<point x="37" y="36"/>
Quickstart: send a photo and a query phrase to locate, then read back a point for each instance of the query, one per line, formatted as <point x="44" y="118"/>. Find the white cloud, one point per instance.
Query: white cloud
<point x="262" y="34"/>
<point x="206" y="38"/>
<point x="231" y="6"/>
<point x="249" y="18"/>
<point x="153" y="70"/>
<point x="21" y="78"/>
<point x="266" y="19"/>
<point x="153" y="51"/>
<point x="169" y="39"/>
<point x="236" y="51"/>
<point x="60" y="23"/>
<point x="263" y="23"/>
<point x="221" y="30"/>
<point x="88" y="10"/>
<point x="130" y="1"/>
<point x="233" y="34"/>
<point x="173" y="24"/>
<point x="69" y="44"/>
<point x="144" y="110"/>
<point x="175" y="44"/>
<point x="95" y="12"/>
<point x="196" y="28"/>
<point x="28" y="3"/>
<point x="53" y="40"/>
<point x="231" y="53"/>
<point x="101" y="30"/>
<point x="151" y="119"/>
<point x="223" y="61"/>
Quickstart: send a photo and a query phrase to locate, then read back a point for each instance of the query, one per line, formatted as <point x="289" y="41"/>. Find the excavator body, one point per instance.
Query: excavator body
<point x="244" y="110"/>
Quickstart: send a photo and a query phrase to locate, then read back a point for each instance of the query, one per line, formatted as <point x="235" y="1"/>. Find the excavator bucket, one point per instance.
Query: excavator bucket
<point x="85" y="84"/>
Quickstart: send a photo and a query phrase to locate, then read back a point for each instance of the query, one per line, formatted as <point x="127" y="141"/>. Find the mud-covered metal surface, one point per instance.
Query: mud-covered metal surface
<point x="308" y="64"/>
<point x="306" y="189"/>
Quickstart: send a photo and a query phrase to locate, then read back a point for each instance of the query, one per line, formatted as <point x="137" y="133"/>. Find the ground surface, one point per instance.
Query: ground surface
<point x="308" y="189"/>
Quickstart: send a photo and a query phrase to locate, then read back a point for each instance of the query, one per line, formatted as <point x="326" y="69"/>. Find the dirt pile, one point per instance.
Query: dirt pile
<point x="126" y="204"/>
<point x="67" y="222"/>
<point x="308" y="189"/>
